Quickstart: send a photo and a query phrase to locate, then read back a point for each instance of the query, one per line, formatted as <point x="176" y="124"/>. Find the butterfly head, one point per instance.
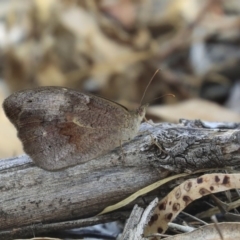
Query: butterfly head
<point x="141" y="111"/>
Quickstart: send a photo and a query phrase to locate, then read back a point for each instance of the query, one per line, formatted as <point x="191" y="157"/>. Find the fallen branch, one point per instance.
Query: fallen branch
<point x="30" y="195"/>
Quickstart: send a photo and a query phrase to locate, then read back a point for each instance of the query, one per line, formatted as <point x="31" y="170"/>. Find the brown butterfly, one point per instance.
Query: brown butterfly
<point x="61" y="127"/>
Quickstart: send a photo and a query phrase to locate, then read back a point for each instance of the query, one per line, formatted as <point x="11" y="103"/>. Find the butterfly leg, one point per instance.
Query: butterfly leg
<point x="155" y="143"/>
<point x="149" y="122"/>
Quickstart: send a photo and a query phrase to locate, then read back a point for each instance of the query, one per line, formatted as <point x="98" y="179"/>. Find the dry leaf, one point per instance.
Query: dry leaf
<point x="228" y="230"/>
<point x="194" y="109"/>
<point x="13" y="146"/>
<point x="180" y="197"/>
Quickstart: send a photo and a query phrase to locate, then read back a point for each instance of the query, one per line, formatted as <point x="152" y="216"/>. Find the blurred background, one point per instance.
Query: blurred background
<point x="112" y="48"/>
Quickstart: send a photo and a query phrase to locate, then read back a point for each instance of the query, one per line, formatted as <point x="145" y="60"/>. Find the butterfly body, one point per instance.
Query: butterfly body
<point x="61" y="127"/>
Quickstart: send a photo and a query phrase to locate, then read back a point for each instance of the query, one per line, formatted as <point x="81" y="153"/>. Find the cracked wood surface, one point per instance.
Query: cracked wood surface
<point x="31" y="195"/>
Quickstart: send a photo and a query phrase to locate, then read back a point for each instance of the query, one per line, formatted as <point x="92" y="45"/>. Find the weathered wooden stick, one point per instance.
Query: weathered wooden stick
<point x="31" y="195"/>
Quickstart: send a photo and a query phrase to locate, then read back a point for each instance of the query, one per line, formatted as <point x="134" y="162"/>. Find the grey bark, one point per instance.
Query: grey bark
<point x="134" y="228"/>
<point x="30" y="195"/>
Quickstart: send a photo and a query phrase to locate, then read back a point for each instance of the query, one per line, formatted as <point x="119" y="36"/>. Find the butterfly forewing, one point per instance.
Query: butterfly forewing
<point x="61" y="127"/>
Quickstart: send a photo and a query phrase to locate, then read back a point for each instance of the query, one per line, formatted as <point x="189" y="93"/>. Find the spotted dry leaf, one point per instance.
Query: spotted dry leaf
<point x="180" y="197"/>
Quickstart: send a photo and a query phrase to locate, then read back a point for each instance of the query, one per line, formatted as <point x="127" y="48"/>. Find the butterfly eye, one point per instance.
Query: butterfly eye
<point x="141" y="110"/>
<point x="29" y="100"/>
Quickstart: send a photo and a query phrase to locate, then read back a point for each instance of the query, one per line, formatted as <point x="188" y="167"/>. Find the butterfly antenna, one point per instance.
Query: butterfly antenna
<point x="165" y="95"/>
<point x="148" y="86"/>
